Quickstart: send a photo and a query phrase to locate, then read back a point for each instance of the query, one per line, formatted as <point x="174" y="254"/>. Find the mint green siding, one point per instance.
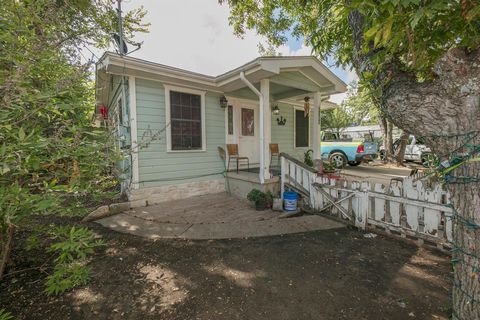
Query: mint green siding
<point x="119" y="89"/>
<point x="284" y="135"/>
<point x="157" y="167"/>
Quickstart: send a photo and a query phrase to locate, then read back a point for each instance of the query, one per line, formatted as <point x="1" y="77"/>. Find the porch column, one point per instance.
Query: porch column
<point x="265" y="130"/>
<point x="317" y="98"/>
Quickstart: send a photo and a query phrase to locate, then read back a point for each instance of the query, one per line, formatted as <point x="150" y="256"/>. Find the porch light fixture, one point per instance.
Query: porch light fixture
<point x="223" y="102"/>
<point x="276" y="110"/>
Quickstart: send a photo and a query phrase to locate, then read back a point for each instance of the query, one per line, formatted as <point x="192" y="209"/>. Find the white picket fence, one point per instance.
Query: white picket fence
<point x="407" y="208"/>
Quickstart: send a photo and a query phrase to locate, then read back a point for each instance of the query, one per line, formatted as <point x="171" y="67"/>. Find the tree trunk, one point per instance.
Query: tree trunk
<point x="390" y="137"/>
<point x="6" y="248"/>
<point x="445" y="112"/>
<point x="400" y="152"/>
<point x="387" y="130"/>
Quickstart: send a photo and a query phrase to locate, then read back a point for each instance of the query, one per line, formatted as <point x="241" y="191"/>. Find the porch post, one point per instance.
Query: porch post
<point x="265" y="130"/>
<point x="317" y="98"/>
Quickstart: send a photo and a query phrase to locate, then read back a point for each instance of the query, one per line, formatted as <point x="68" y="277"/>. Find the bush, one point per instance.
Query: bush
<point x="5" y="315"/>
<point x="72" y="248"/>
<point x="254" y="195"/>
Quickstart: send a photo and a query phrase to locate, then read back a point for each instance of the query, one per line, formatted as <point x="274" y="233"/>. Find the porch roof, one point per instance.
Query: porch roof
<point x="291" y="77"/>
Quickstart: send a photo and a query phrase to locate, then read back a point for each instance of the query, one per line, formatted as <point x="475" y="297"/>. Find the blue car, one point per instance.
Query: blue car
<point x="342" y="151"/>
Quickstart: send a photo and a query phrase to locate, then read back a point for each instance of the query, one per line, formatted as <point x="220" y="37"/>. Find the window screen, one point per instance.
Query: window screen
<point x="301" y="129"/>
<point x="185" y="121"/>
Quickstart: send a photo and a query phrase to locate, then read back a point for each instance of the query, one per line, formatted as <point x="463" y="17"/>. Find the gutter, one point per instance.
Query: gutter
<point x="262" y="137"/>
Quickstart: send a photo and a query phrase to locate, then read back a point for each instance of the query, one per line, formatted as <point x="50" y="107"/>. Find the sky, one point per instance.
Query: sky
<point x="195" y="35"/>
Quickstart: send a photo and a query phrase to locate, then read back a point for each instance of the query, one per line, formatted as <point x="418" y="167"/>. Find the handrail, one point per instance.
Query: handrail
<point x="297" y="162"/>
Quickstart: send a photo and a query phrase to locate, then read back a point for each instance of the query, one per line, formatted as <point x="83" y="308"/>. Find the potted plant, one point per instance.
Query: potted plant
<point x="307" y="158"/>
<point x="328" y="167"/>
<point x="261" y="199"/>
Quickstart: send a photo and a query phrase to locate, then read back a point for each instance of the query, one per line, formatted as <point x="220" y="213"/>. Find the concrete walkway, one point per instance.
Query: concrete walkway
<point x="217" y="216"/>
<point x="153" y="230"/>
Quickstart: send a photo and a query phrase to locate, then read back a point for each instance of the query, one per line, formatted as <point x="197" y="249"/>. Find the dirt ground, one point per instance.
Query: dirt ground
<point x="334" y="274"/>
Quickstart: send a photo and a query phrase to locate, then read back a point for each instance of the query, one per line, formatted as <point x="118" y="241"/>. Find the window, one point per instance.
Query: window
<point x="329" y="136"/>
<point x="248" y="122"/>
<point x="302" y="134"/>
<point x="230" y="119"/>
<point x="185" y="117"/>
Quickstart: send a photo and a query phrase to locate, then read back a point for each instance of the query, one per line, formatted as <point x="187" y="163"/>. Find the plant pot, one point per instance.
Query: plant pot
<point x="261" y="205"/>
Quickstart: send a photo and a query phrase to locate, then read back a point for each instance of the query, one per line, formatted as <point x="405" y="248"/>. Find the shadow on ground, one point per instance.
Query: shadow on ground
<point x="333" y="274"/>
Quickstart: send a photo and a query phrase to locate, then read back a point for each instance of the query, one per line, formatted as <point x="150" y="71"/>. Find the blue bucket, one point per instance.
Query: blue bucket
<point x="290" y="200"/>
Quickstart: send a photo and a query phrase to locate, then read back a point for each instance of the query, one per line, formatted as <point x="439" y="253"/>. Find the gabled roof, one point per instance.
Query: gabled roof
<point x="301" y="74"/>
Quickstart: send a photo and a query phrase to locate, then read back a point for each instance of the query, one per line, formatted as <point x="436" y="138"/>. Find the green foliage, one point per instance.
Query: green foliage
<point x="307" y="157"/>
<point x="360" y="105"/>
<point x="416" y="32"/>
<point x="52" y="160"/>
<point x="72" y="246"/>
<point x="65" y="277"/>
<point x="254" y="195"/>
<point x="50" y="155"/>
<point x="328" y="166"/>
<point x="5" y="315"/>
<point x="335" y="119"/>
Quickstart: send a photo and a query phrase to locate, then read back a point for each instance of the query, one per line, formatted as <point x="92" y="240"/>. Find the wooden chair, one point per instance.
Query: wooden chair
<point x="274" y="151"/>
<point x="232" y="150"/>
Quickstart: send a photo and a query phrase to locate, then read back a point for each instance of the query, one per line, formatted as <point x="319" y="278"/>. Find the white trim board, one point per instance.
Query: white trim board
<point x="133" y="130"/>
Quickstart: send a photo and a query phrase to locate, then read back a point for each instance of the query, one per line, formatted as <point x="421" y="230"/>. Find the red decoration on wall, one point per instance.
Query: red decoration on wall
<point x="103" y="111"/>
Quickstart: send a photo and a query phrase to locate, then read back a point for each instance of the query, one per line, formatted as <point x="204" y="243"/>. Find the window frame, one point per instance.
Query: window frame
<point x="168" y="89"/>
<point x="295" y="109"/>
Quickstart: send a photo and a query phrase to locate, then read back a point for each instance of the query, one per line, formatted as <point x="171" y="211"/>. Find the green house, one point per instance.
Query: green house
<point x="173" y="125"/>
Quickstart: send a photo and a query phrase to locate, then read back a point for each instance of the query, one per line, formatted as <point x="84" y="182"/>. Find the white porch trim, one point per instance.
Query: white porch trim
<point x="317" y="99"/>
<point x="266" y="123"/>
<point x="133" y="130"/>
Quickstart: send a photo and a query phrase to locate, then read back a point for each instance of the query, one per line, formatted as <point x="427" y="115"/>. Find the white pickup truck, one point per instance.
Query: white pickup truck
<point x="414" y="151"/>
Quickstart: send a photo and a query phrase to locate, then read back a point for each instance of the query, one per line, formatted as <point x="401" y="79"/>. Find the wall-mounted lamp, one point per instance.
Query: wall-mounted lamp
<point x="276" y="110"/>
<point x="281" y="121"/>
<point x="223" y="102"/>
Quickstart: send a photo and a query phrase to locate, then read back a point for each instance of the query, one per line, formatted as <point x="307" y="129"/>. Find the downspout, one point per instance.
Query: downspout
<point x="262" y="138"/>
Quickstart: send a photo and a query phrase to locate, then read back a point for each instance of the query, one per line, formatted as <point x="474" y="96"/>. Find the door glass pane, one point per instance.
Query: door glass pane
<point x="230" y="119"/>
<point x="248" y="122"/>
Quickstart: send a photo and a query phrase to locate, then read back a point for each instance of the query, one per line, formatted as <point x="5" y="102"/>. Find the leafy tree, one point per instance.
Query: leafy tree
<point x="335" y="119"/>
<point x="420" y="58"/>
<point x="51" y="158"/>
<point x="360" y="105"/>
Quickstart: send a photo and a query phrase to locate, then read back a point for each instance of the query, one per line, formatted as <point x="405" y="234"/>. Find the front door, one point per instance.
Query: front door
<point x="248" y="131"/>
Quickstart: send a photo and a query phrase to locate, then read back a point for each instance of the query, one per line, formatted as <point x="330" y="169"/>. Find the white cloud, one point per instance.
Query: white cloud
<point x="302" y="51"/>
<point x="193" y="35"/>
<point x="338" y="98"/>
